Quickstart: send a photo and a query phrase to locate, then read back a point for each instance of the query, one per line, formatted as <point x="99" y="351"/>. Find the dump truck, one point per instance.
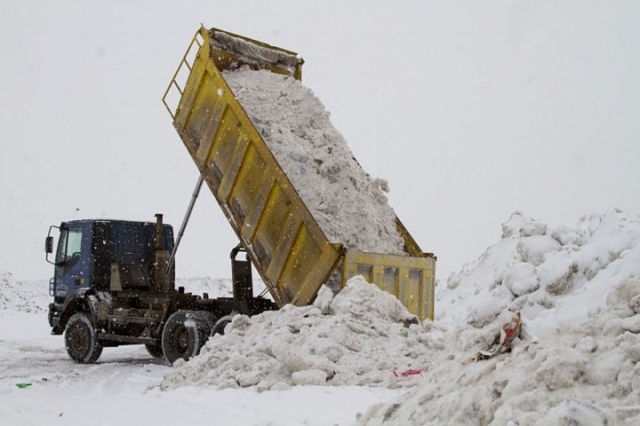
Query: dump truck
<point x="114" y="281"/>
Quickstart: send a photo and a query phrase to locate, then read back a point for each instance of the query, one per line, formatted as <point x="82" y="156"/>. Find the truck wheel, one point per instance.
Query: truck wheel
<point x="81" y="341"/>
<point x="207" y="321"/>
<point x="183" y="336"/>
<point x="221" y="324"/>
<point x="155" y="350"/>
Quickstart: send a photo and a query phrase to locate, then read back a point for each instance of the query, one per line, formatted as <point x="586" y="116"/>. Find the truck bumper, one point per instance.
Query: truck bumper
<point x="54" y="318"/>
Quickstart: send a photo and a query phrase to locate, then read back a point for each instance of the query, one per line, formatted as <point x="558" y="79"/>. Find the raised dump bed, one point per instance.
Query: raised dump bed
<point x="292" y="241"/>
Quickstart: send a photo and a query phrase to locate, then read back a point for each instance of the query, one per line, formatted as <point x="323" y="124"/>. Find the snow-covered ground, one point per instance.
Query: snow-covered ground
<point x="39" y="385"/>
<point x="355" y="358"/>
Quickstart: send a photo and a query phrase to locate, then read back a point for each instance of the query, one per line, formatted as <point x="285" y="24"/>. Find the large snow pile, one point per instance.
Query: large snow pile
<point x="550" y="274"/>
<point x="359" y="337"/>
<point x="578" y="291"/>
<point x="582" y="374"/>
<point x="349" y="206"/>
<point x="23" y="296"/>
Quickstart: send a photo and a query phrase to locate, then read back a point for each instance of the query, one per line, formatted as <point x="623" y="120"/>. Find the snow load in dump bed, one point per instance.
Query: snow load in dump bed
<point x="232" y="101"/>
<point x="242" y="51"/>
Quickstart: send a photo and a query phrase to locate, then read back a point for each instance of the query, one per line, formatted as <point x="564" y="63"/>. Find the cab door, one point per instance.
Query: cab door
<point x="73" y="259"/>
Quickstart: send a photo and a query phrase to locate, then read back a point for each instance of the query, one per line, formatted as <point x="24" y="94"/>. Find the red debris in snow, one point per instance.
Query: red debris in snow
<point x="407" y="373"/>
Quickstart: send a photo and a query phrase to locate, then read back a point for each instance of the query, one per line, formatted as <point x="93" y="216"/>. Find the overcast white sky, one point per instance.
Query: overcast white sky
<point x="471" y="110"/>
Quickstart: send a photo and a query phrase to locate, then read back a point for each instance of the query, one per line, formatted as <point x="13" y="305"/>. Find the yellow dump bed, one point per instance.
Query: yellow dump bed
<point x="283" y="240"/>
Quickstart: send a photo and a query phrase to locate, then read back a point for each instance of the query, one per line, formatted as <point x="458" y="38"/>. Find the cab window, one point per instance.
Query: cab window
<point x="70" y="244"/>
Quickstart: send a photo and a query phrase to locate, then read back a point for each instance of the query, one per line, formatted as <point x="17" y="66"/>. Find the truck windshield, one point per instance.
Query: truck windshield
<point x="70" y="244"/>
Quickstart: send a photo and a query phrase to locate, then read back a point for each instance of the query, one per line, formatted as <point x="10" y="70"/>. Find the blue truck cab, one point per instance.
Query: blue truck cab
<point x="87" y="250"/>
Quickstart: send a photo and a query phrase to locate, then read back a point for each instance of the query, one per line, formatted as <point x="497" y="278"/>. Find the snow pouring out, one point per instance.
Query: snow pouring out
<point x="577" y="289"/>
<point x="350" y="206"/>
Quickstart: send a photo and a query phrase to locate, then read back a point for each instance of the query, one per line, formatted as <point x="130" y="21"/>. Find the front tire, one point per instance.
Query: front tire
<point x="184" y="335"/>
<point x="81" y="340"/>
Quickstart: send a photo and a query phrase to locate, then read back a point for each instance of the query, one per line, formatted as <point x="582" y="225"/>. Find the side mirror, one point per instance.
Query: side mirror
<point x="48" y="245"/>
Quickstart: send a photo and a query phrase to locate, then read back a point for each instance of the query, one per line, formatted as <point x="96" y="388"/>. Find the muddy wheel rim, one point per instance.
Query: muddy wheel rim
<point x="79" y="340"/>
<point x="181" y="337"/>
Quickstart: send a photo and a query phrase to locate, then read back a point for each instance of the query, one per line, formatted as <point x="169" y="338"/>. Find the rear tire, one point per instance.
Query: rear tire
<point x="184" y="335"/>
<point x="206" y="322"/>
<point x="81" y="340"/>
<point x="155" y="350"/>
<point x="221" y="324"/>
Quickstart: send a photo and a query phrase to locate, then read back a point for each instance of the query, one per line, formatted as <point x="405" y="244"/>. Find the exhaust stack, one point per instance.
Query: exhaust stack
<point x="162" y="279"/>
